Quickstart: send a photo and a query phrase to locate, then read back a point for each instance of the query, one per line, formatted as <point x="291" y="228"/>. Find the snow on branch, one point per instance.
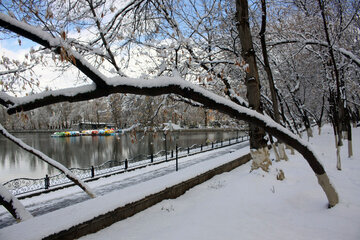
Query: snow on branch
<point x="7" y="100"/>
<point x="117" y="18"/>
<point x="18" y="104"/>
<point x="229" y="91"/>
<point x="49" y="160"/>
<point x="56" y="44"/>
<point x="163" y="102"/>
<point x="131" y="128"/>
<point x="343" y="51"/>
<point x="186" y="100"/>
<point x="13" y="205"/>
<point x="17" y="70"/>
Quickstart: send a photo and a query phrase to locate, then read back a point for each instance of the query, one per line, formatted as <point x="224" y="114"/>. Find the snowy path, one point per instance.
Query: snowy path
<point x="49" y="202"/>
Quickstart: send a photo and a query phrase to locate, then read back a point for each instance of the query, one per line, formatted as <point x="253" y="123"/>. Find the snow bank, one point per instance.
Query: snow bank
<point x="45" y="225"/>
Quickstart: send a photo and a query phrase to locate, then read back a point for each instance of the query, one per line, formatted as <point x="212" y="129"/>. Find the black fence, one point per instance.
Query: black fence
<point x="21" y="186"/>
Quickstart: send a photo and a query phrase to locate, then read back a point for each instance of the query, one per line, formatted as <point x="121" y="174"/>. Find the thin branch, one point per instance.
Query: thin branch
<point x="56" y="44"/>
<point x="106" y="44"/>
<point x="18" y="70"/>
<point x="343" y="51"/>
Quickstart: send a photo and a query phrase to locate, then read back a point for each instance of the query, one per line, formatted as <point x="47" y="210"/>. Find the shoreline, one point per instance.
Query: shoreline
<point x="138" y="131"/>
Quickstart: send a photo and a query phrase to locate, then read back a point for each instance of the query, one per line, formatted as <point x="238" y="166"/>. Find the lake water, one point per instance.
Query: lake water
<point x="87" y="151"/>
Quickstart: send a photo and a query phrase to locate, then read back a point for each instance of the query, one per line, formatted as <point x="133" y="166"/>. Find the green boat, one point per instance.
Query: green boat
<point x="58" y="134"/>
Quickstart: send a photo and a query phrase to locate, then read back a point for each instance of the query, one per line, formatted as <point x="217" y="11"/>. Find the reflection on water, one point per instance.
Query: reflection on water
<point x="85" y="151"/>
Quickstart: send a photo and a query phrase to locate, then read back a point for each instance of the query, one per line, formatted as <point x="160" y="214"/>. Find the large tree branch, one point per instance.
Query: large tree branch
<point x="13" y="205"/>
<point x="7" y="100"/>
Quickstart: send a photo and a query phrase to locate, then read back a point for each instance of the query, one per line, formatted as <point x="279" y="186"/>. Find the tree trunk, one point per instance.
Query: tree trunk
<point x="275" y="105"/>
<point x="257" y="134"/>
<point x="319" y="120"/>
<point x="277" y="155"/>
<point x="329" y="190"/>
<point x="339" y="100"/>
<point x="205" y="118"/>
<point x="282" y="153"/>
<point x="267" y="64"/>
<point x="273" y="144"/>
<point x="338" y="157"/>
<point x="292" y="151"/>
<point x="349" y="138"/>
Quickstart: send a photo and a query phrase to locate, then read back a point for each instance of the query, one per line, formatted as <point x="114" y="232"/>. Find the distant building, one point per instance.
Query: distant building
<point x="92" y="125"/>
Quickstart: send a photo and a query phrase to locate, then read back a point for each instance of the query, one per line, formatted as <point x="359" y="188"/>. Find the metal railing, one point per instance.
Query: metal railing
<point x="21" y="186"/>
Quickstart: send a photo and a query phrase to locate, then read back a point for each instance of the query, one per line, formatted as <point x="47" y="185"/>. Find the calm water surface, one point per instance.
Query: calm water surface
<point x="86" y="151"/>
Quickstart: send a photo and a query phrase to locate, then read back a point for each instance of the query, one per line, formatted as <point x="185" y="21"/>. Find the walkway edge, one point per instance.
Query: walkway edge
<point x="131" y="209"/>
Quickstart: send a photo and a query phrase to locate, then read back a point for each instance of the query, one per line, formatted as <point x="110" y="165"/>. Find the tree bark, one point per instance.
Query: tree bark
<point x="267" y="64"/>
<point x="257" y="134"/>
<point x="275" y="105"/>
<point x="349" y="138"/>
<point x="339" y="110"/>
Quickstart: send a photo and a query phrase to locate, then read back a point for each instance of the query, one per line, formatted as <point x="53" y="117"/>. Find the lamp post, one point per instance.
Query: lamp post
<point x="165" y="133"/>
<point x="177" y="161"/>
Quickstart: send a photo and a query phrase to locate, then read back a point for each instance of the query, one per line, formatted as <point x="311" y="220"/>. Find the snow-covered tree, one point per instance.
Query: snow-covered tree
<point x="177" y="43"/>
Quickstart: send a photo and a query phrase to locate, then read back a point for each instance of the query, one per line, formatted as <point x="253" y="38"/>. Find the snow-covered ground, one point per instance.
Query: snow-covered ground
<point x="235" y="205"/>
<point x="65" y="208"/>
<point x="243" y="205"/>
<point x="52" y="201"/>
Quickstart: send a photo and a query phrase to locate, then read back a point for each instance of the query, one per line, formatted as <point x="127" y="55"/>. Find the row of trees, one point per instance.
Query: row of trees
<point x="120" y="110"/>
<point x="297" y="61"/>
